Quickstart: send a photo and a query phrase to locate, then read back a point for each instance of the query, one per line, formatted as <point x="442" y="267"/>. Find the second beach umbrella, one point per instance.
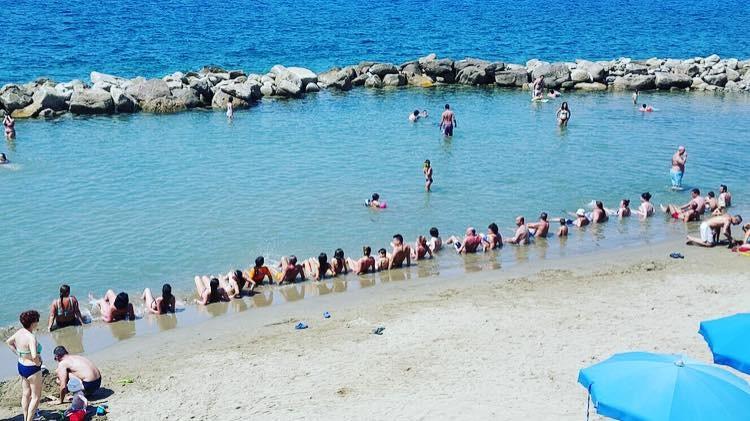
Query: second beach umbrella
<point x="729" y="340"/>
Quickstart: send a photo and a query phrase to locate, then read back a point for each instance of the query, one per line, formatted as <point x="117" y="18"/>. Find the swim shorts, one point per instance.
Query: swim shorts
<point x="448" y="130"/>
<point x="676" y="178"/>
<point x="707" y="234"/>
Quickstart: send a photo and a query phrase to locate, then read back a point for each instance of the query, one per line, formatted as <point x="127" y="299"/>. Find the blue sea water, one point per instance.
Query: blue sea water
<point x="131" y="201"/>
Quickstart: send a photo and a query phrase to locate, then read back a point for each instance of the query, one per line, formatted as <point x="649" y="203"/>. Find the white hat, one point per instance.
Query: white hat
<point x="74" y="384"/>
<point x="581" y="212"/>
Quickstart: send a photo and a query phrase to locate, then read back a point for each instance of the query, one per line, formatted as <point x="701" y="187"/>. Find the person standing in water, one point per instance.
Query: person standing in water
<point x="230" y="109"/>
<point x="10" y="127"/>
<point x="427" y="170"/>
<point x="563" y="115"/>
<point x="448" y="121"/>
<point x="679" y="159"/>
<point x="538" y="88"/>
<point x="635" y="97"/>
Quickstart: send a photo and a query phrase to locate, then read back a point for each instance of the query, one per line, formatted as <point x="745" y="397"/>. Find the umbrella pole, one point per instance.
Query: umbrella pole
<point x="588" y="402"/>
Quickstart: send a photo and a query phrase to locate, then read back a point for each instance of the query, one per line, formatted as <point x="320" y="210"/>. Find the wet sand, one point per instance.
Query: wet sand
<point x="487" y="345"/>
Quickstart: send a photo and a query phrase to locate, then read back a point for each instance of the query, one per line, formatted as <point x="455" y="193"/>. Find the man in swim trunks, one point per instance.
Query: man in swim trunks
<point x="448" y="121"/>
<point x="541" y="228"/>
<point x="469" y="244"/>
<point x="400" y="252"/>
<point x="79" y="367"/>
<point x="522" y="232"/>
<point x="538" y="88"/>
<point x="712" y="229"/>
<point x="678" y="167"/>
<point x="690" y="211"/>
<point x="290" y="270"/>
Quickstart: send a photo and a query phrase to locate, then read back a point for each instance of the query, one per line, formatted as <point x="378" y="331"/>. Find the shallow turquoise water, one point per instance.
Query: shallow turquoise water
<point x="132" y="201"/>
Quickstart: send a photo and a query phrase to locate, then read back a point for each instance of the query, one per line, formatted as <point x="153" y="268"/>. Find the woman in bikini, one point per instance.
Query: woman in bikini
<point x="209" y="291"/>
<point x="10" y="127"/>
<point x="24" y="344"/>
<point x="427" y="170"/>
<point x="64" y="311"/>
<point x="339" y="263"/>
<point x="365" y="264"/>
<point x="116" y="307"/>
<point x="319" y="269"/>
<point x="161" y="305"/>
<point x="563" y="115"/>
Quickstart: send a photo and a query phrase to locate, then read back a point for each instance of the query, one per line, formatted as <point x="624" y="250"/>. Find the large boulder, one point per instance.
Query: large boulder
<point x="148" y="89"/>
<point x="51" y="98"/>
<point x="579" y="75"/>
<point x="188" y="97"/>
<point x="439" y="70"/>
<point x="221" y="99"/>
<point x="248" y="91"/>
<point x="293" y="84"/>
<point x="374" y="81"/>
<point x="163" y="104"/>
<point x="690" y="69"/>
<point x="590" y="86"/>
<point x="289" y="89"/>
<point x="312" y="87"/>
<point x="716" y="80"/>
<point x="596" y="71"/>
<point x="123" y="102"/>
<point x="382" y="69"/>
<point x="392" y="79"/>
<point x="306" y="76"/>
<point x="202" y="86"/>
<point x="103" y="78"/>
<point x="92" y="101"/>
<point x="473" y="75"/>
<point x="360" y="79"/>
<point x="338" y="78"/>
<point x="631" y="82"/>
<point x="554" y="74"/>
<point x="672" y="80"/>
<point x="511" y="78"/>
<point x="14" y="97"/>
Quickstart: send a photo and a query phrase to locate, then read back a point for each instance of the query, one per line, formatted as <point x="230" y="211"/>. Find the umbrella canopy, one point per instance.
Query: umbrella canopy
<point x="645" y="386"/>
<point x="729" y="340"/>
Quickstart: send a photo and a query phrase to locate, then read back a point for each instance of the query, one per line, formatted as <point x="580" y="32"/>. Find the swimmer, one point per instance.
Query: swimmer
<point x="375" y="202"/>
<point x="427" y="171"/>
<point x="522" y="232"/>
<point x="712" y="204"/>
<point x="209" y="291"/>
<point x="539" y="229"/>
<point x="679" y="159"/>
<point x="538" y="88"/>
<point x="230" y="109"/>
<point x="161" y="305"/>
<point x="400" y="252"/>
<point x="563" y="230"/>
<point x="448" y="121"/>
<point x="64" y="311"/>
<point x="624" y="210"/>
<point x="646" y="209"/>
<point x="319" y="269"/>
<point x="423" y="114"/>
<point x="365" y="264"/>
<point x="553" y="93"/>
<point x="581" y="219"/>
<point x="492" y="240"/>
<point x="563" y="115"/>
<point x="116" y="307"/>
<point x="3" y="159"/>
<point x="599" y="214"/>
<point x="646" y="108"/>
<point x="384" y="261"/>
<point x="711" y="230"/>
<point x="725" y="198"/>
<point x="339" y="263"/>
<point x="435" y="242"/>
<point x="421" y="249"/>
<point x="691" y="211"/>
<point x="414" y="116"/>
<point x="635" y="97"/>
<point x="290" y="270"/>
<point x="10" y="127"/>
<point x="259" y="272"/>
<point x="469" y="244"/>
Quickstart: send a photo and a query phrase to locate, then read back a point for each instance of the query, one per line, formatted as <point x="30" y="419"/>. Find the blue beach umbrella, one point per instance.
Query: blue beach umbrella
<point x="661" y="387"/>
<point x="729" y="340"/>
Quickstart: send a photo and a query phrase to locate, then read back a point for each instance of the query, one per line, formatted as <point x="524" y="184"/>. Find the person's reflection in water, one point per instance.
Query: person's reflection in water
<point x="216" y="309"/>
<point x="238" y="305"/>
<point x="542" y="246"/>
<point x="472" y="263"/>
<point x="292" y="292"/>
<point x="522" y="254"/>
<point x="70" y="337"/>
<point x="263" y="298"/>
<point x="319" y="288"/>
<point x="122" y="330"/>
<point x="493" y="260"/>
<point x="366" y="281"/>
<point x="395" y="275"/>
<point x="339" y="285"/>
<point x="166" y="321"/>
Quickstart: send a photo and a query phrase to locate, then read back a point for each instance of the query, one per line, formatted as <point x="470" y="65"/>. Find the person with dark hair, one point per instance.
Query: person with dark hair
<point x="448" y="121"/>
<point x="599" y="214"/>
<point x="319" y="269"/>
<point x="537" y="91"/>
<point x="711" y="202"/>
<point x="161" y="305"/>
<point x="365" y="264"/>
<point x="339" y="263"/>
<point x="563" y="230"/>
<point x="79" y="367"/>
<point x="3" y="159"/>
<point x="539" y="229"/>
<point x="679" y="159"/>
<point x="209" y="290"/>
<point x="492" y="240"/>
<point x="563" y="115"/>
<point x="691" y="211"/>
<point x="646" y="209"/>
<point x="400" y="252"/>
<point x="290" y="269"/>
<point x="421" y="249"/>
<point x="414" y="116"/>
<point x="725" y="198"/>
<point x="10" y="127"/>
<point x="522" y="232"/>
<point x="64" y="311"/>
<point x="116" y="307"/>
<point x="624" y="210"/>
<point x="384" y="260"/>
<point x="712" y="228"/>
<point x="259" y="272"/>
<point x="24" y="344"/>
<point x="235" y="281"/>
<point x="427" y="170"/>
<point x="435" y="242"/>
<point x="375" y="202"/>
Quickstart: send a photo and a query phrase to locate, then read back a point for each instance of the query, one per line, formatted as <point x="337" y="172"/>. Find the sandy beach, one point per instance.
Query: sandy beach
<point x="488" y="345"/>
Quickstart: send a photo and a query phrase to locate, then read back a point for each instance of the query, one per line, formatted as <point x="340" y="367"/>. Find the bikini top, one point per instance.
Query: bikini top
<point x="62" y="311"/>
<point x="38" y="350"/>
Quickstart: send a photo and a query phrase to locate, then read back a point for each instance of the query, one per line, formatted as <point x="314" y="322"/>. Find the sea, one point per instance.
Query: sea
<point x="132" y="201"/>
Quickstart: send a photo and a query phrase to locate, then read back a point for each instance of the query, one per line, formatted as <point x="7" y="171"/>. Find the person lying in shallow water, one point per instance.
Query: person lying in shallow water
<point x="421" y="249"/>
<point x="365" y="264"/>
<point x="116" y="307"/>
<point x="290" y="270"/>
<point x="384" y="260"/>
<point x="469" y="244"/>
<point x="159" y="305"/>
<point x="259" y="272"/>
<point x="319" y="269"/>
<point x="209" y="291"/>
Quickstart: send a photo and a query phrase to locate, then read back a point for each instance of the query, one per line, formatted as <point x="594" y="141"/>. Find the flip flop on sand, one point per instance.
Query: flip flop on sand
<point x="326" y="315"/>
<point x="300" y="326"/>
<point x="378" y="330"/>
<point x="676" y="255"/>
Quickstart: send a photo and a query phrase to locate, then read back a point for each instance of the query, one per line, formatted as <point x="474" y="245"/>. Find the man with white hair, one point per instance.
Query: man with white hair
<point x="678" y="167"/>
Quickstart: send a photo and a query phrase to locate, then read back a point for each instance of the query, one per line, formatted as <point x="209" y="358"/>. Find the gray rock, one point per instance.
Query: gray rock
<point x="580" y="75"/>
<point x="163" y="105"/>
<point x="473" y="75"/>
<point x="235" y="74"/>
<point x="382" y="69"/>
<point x="49" y="97"/>
<point x="307" y="76"/>
<point x="47" y="113"/>
<point x="429" y="57"/>
<point x="636" y="69"/>
<point x="732" y="86"/>
<point x="221" y="99"/>
<point x="732" y="75"/>
<point x="373" y="81"/>
<point x="203" y="87"/>
<point x="712" y="59"/>
<point x="248" y="91"/>
<point x="173" y="84"/>
<point x="732" y="63"/>
<point x="654" y="62"/>
<point x="267" y="89"/>
<point x="716" y="80"/>
<point x="288" y="89"/>
<point x="312" y="87"/>
<point x="672" y="80"/>
<point x="148" y="89"/>
<point x="554" y="74"/>
<point x="123" y="102"/>
<point x="473" y="62"/>
<point x="338" y="78"/>
<point x="103" y="78"/>
<point x="394" y="80"/>
<point x="632" y="82"/>
<point x="13" y="97"/>
<point x="92" y="101"/>
<point x="360" y="79"/>
<point x="690" y="69"/>
<point x="442" y="69"/>
<point x="595" y="71"/>
<point x="511" y="78"/>
<point x="189" y="97"/>
<point x="102" y="86"/>
<point x="591" y="86"/>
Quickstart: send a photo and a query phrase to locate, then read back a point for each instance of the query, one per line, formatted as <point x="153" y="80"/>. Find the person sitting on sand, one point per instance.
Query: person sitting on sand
<point x="421" y="249"/>
<point x="725" y="198"/>
<point x="365" y="264"/>
<point x="563" y="230"/>
<point x="319" y="269"/>
<point x="160" y="305"/>
<point x="563" y="115"/>
<point x="64" y="311"/>
<point x="384" y="261"/>
<point x="539" y="229"/>
<point x="414" y="116"/>
<point x="339" y="263"/>
<point x="599" y="214"/>
<point x="10" y="127"/>
<point x="469" y="244"/>
<point x="493" y="239"/>
<point x="691" y="211"/>
<point x="711" y="230"/>
<point x="448" y="121"/>
<point x="290" y="270"/>
<point x="209" y="291"/>
<point x="521" y="237"/>
<point x="551" y="93"/>
<point x="116" y="307"/>
<point x="646" y="209"/>
<point x="711" y="202"/>
<point x="581" y="219"/>
<point x="646" y="108"/>
<point x="79" y="367"/>
<point x="400" y="252"/>
<point x="3" y="159"/>
<point x="435" y="242"/>
<point x="259" y="272"/>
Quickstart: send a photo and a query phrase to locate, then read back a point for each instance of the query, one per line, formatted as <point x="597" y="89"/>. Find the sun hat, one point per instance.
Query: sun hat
<point x="581" y="212"/>
<point x="74" y="385"/>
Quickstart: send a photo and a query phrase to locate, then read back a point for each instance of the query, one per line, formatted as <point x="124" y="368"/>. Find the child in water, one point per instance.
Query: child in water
<point x="563" y="231"/>
<point x="375" y="202"/>
<point x="646" y="108"/>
